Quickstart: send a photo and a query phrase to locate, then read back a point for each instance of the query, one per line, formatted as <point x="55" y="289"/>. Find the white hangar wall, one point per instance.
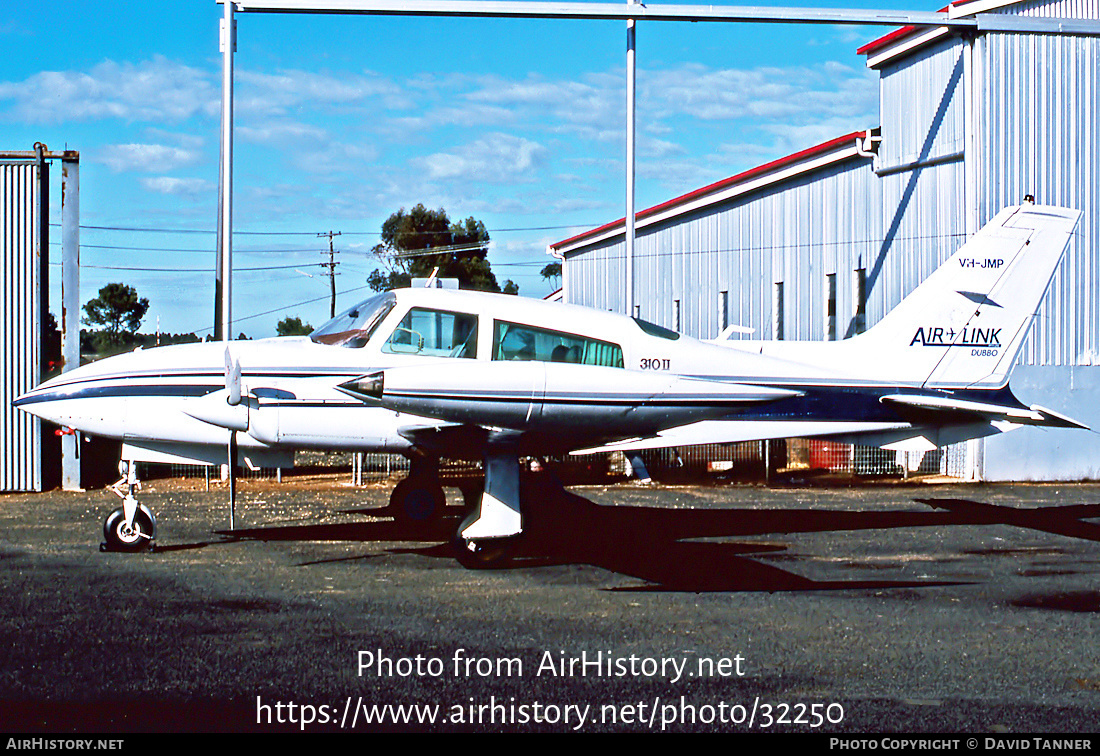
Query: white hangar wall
<point x="721" y="263"/>
<point x="1038" y="132"/>
<point x="967" y="127"/>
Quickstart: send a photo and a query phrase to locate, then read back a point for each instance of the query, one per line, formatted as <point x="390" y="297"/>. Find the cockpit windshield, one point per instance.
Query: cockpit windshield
<point x="353" y="327"/>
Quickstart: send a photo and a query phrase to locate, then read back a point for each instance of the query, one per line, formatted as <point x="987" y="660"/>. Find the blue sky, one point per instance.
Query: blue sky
<point x="341" y="121"/>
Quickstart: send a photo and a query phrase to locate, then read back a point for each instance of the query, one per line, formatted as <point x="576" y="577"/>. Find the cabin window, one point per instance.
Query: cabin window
<point x="434" y="333"/>
<point x="512" y="341"/>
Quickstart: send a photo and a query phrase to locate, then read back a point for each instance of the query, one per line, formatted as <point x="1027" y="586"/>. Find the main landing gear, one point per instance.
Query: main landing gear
<point x="131" y="527"/>
<point x="419" y="497"/>
<point x="488" y="535"/>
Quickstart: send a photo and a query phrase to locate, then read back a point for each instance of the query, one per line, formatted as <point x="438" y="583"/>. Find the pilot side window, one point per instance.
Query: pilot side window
<point x="512" y="341"/>
<point x="434" y="333"/>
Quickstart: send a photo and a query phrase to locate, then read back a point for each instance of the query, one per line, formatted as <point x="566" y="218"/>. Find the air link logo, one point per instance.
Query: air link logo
<point x="967" y="337"/>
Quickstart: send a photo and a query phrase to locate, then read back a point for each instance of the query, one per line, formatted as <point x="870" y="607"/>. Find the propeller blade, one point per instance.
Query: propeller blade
<point x="232" y="379"/>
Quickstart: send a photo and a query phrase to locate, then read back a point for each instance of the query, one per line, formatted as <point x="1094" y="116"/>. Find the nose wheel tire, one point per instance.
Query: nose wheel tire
<point x="139" y="536"/>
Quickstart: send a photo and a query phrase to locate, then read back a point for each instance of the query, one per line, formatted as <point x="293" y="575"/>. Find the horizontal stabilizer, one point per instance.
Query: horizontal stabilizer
<point x="1034" y="415"/>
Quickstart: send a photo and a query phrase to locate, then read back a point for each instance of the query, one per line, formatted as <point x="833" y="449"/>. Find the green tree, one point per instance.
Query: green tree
<point x="416" y="242"/>
<point x="289" y="326"/>
<point x="118" y="311"/>
<point x="552" y="273"/>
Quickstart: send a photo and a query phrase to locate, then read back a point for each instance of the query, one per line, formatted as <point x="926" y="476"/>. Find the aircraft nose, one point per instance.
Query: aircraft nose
<point x="35" y="402"/>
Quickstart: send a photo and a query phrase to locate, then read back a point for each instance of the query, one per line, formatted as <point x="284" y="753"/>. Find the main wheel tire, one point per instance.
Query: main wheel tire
<point x="417" y="500"/>
<point x="139" y="537"/>
<point x="488" y="554"/>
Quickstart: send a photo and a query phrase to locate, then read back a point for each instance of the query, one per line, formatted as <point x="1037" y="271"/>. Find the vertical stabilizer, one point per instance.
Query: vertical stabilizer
<point x="965" y="324"/>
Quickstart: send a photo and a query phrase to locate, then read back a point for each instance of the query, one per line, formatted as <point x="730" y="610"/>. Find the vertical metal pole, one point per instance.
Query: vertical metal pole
<point x="331" y="278"/>
<point x="225" y="215"/>
<point x="225" y="227"/>
<point x="232" y="479"/>
<point x="42" y="170"/>
<point x="630" y="89"/>
<point x="36" y="338"/>
<point x="70" y="305"/>
<point x="975" y="448"/>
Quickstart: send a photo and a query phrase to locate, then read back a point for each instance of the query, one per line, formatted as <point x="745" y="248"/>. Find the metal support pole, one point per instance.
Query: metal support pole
<point x="232" y="480"/>
<point x="975" y="447"/>
<point x="42" y="175"/>
<point x="70" y="306"/>
<point x="225" y="228"/>
<point x="223" y="326"/>
<point x="630" y="97"/>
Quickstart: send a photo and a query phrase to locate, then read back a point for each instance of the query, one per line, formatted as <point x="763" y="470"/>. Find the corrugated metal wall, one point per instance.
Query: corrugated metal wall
<point x="20" y="433"/>
<point x="1053" y="9"/>
<point x="921" y="106"/>
<point x="1039" y="134"/>
<point x="1034" y="131"/>
<point x="795" y="234"/>
<point x="595" y="277"/>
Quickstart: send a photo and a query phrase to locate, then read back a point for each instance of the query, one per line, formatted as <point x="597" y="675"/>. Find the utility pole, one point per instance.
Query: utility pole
<point x="331" y="265"/>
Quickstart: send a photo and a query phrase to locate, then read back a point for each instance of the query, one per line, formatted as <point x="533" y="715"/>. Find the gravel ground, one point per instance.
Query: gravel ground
<point x="857" y="610"/>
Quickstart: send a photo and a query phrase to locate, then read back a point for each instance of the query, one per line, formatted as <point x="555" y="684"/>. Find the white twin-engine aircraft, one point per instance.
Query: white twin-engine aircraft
<point x="432" y="373"/>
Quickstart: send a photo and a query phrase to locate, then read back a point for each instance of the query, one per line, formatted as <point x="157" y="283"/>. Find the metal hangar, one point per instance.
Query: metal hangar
<point x="822" y="243"/>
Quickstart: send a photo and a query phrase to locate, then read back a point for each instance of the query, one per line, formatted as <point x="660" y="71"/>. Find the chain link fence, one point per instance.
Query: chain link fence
<point x="741" y="462"/>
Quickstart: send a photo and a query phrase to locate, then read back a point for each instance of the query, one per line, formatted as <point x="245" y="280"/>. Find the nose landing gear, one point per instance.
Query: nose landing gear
<point x="131" y="527"/>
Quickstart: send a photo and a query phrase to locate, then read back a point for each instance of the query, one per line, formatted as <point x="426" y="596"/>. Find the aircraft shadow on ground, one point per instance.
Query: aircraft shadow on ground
<point x="658" y="545"/>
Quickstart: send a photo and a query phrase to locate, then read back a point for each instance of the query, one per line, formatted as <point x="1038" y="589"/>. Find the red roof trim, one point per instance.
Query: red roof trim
<point x="885" y="41"/>
<point x="897" y="34"/>
<point x="740" y="178"/>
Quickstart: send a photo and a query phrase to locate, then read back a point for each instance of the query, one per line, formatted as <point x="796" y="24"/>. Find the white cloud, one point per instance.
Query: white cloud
<point x="594" y="103"/>
<point x="279" y="93"/>
<point x="154" y="158"/>
<point x="170" y="185"/>
<point x="498" y="158"/>
<point x="281" y="132"/>
<point x="797" y="93"/>
<point x="793" y="138"/>
<point x="153" y="90"/>
<point x="334" y="158"/>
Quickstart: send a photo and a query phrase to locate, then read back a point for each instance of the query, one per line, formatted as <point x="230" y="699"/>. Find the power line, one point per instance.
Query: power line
<point x="196" y="231"/>
<point x="193" y="249"/>
<point x="195" y="270"/>
<point x="280" y="309"/>
<point x="134" y="229"/>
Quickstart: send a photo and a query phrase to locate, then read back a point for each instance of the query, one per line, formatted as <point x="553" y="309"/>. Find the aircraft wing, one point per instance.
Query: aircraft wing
<point x="940" y="417"/>
<point x="734" y="431"/>
<point x="454" y="440"/>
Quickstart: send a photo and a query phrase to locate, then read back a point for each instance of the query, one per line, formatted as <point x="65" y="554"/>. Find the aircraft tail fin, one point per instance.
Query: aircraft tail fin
<point x="964" y="325"/>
